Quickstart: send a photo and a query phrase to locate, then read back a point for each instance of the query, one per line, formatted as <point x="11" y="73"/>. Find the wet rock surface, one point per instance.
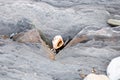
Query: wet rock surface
<point x="69" y="18"/>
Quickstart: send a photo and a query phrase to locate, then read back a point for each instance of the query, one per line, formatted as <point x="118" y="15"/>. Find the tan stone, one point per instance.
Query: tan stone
<point x="114" y="22"/>
<point x="96" y="77"/>
<point x="29" y="36"/>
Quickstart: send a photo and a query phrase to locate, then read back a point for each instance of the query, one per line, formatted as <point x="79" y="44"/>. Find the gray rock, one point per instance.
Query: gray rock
<point x="53" y="21"/>
<point x="30" y="62"/>
<point x="7" y="28"/>
<point x="69" y="3"/>
<point x="103" y="34"/>
<point x="87" y="57"/>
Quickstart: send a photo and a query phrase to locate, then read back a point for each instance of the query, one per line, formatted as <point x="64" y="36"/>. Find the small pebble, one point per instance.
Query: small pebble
<point x="114" y="22"/>
<point x="96" y="77"/>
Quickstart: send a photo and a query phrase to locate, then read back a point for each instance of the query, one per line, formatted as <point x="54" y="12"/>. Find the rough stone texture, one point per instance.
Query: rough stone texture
<point x="87" y="57"/>
<point x="7" y="28"/>
<point x="67" y="18"/>
<point x="30" y="62"/>
<point x="105" y="35"/>
<point x="32" y="36"/>
<point x="53" y="20"/>
<point x="69" y="3"/>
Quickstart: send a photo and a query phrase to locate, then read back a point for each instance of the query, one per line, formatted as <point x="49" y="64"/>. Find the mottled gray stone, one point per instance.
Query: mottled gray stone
<point x="52" y="20"/>
<point x="30" y="62"/>
<point x="7" y="27"/>
<point x="87" y="57"/>
<point x="69" y="3"/>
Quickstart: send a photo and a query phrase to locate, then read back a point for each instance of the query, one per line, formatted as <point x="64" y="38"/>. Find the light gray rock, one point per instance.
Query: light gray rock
<point x="52" y="20"/>
<point x="30" y="62"/>
<point x="87" y="57"/>
<point x="7" y="27"/>
<point x="113" y="69"/>
<point x="69" y="3"/>
<point x="103" y="36"/>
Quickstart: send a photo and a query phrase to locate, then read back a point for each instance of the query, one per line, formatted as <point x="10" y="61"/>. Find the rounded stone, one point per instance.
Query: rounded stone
<point x="96" y="77"/>
<point x="113" y="69"/>
<point x="114" y="22"/>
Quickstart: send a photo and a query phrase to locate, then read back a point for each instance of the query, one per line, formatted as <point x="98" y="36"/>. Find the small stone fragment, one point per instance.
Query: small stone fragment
<point x="113" y="69"/>
<point x="96" y="77"/>
<point x="57" y="42"/>
<point x="52" y="56"/>
<point x="114" y="22"/>
<point x="29" y="36"/>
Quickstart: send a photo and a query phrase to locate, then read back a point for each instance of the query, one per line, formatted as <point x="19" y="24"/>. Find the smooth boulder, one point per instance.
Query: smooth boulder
<point x="113" y="69"/>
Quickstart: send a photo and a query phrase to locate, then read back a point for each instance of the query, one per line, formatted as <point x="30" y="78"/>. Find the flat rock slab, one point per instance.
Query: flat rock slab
<point x="32" y="36"/>
<point x="87" y="58"/>
<point x="30" y="62"/>
<point x="70" y="3"/>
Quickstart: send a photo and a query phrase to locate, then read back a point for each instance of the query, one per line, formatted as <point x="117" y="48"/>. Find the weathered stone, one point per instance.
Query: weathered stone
<point x="77" y="40"/>
<point x="9" y="27"/>
<point x="96" y="77"/>
<point x="113" y="69"/>
<point x="30" y="61"/>
<point x="32" y="36"/>
<point x="103" y="34"/>
<point x="114" y="22"/>
<point x="54" y="21"/>
<point x="87" y="57"/>
<point x="70" y="3"/>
